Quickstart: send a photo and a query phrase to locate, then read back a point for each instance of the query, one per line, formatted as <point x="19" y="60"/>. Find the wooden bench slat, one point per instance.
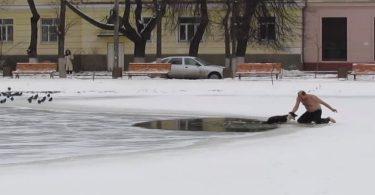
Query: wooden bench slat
<point x="258" y="68"/>
<point x="148" y="69"/>
<point x="35" y="68"/>
<point x="363" y="69"/>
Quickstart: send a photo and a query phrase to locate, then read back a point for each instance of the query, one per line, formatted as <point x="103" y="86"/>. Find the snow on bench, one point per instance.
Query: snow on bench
<point x="248" y="69"/>
<point x="35" y="68"/>
<point x="148" y="69"/>
<point x="363" y="69"/>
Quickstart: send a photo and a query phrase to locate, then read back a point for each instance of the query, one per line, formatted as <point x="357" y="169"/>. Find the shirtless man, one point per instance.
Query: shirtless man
<point x="313" y="110"/>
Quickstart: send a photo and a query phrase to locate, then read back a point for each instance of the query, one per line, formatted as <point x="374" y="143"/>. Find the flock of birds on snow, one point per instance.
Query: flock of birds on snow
<point x="10" y="95"/>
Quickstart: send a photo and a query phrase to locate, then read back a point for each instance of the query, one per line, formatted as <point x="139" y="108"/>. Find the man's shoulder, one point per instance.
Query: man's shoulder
<point x="312" y="95"/>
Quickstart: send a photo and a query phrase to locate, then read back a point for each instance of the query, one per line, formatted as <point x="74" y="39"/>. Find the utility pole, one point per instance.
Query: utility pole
<point x="234" y="34"/>
<point x="116" y="71"/>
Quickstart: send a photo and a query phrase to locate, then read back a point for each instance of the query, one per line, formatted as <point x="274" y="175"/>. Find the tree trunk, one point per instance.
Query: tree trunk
<point x="158" y="41"/>
<point x="244" y="27"/>
<point x="140" y="50"/>
<point x="234" y="25"/>
<point x="61" y="29"/>
<point x="194" y="43"/>
<point x="227" y="35"/>
<point x="32" y="50"/>
<point x="241" y="47"/>
<point x="61" y="40"/>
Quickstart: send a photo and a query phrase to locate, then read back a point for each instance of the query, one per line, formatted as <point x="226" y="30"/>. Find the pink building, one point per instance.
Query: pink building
<point x="338" y="33"/>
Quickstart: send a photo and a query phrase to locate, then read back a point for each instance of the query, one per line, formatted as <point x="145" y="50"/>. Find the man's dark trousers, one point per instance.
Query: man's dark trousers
<point x="315" y="116"/>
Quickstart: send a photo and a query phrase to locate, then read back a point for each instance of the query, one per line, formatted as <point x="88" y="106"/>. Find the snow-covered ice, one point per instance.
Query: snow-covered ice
<point x="293" y="159"/>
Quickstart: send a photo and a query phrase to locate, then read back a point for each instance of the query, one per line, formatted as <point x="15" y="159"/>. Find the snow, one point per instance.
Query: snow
<point x="293" y="159"/>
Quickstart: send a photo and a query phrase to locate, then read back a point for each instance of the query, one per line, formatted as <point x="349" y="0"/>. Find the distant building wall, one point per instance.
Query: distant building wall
<point x="90" y="47"/>
<point x="360" y="32"/>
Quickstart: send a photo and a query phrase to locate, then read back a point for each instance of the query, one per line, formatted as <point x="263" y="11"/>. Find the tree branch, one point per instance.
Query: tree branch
<point x="127" y="29"/>
<point x="89" y="19"/>
<point x="160" y="11"/>
<point x="138" y="15"/>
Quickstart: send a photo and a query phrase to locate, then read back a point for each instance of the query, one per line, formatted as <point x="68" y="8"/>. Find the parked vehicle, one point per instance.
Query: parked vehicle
<point x="188" y="67"/>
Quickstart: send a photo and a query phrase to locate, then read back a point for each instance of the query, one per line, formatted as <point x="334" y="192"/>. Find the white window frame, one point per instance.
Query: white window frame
<point x="186" y="24"/>
<point x="4" y="28"/>
<point x="49" y="31"/>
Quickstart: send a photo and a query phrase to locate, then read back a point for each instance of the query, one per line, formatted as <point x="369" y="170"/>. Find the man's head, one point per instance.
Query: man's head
<point x="301" y="94"/>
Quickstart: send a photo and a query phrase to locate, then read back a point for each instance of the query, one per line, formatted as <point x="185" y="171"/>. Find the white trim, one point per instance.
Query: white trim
<point x="54" y="23"/>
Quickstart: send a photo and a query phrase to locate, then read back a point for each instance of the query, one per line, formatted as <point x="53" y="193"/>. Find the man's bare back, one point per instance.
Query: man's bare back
<point x="312" y="104"/>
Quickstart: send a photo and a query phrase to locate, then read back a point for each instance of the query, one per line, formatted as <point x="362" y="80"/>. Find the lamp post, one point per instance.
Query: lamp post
<point x="116" y="71"/>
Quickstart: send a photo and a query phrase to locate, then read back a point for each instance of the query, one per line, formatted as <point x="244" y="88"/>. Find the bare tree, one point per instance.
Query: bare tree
<point x="196" y="8"/>
<point x="32" y="50"/>
<point x="198" y="35"/>
<point x="63" y="26"/>
<point x="138" y="34"/>
<point x="248" y="17"/>
<point x="227" y="34"/>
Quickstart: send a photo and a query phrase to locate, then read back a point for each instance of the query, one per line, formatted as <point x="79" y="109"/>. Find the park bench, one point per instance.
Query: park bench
<point x="248" y="69"/>
<point x="35" y="68"/>
<point x="148" y="69"/>
<point x="363" y="69"/>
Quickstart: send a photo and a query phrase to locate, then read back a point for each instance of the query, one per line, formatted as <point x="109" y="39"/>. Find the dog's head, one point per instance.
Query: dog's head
<point x="291" y="116"/>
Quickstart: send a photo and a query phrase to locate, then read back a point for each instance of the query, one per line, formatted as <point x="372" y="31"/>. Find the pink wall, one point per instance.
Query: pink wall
<point x="360" y="31"/>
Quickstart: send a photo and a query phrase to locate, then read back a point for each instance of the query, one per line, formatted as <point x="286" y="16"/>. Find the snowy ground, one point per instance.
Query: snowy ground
<point x="294" y="159"/>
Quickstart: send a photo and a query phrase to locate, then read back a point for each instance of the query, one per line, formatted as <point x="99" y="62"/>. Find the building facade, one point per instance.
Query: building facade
<point x="93" y="47"/>
<point x="338" y="33"/>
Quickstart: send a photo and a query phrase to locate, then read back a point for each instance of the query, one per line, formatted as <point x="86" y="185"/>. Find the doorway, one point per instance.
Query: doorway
<point x="334" y="39"/>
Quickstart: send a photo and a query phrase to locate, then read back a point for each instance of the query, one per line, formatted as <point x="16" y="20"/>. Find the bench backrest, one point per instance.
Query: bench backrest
<point x="364" y="68"/>
<point x="150" y="67"/>
<point x="36" y="66"/>
<point x="260" y="67"/>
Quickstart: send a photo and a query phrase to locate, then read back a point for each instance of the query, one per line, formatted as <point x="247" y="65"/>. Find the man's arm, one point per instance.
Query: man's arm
<point x="295" y="108"/>
<point x="325" y="104"/>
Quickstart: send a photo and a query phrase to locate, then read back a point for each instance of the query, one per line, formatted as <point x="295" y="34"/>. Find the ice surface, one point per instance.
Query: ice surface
<point x="294" y="160"/>
<point x="32" y="135"/>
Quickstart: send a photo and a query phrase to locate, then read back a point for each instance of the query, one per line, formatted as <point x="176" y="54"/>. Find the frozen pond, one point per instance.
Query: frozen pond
<point x="29" y="135"/>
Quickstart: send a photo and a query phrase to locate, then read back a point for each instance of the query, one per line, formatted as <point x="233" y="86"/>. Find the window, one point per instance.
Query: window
<point x="49" y="30"/>
<point x="165" y="60"/>
<point x="6" y="30"/>
<point x="187" y="28"/>
<point x="145" y="21"/>
<point x="334" y="39"/>
<point x="189" y="61"/>
<point x="176" y="61"/>
<point x="267" y="29"/>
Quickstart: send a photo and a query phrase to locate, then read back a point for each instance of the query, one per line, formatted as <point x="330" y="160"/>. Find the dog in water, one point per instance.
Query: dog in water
<point x="280" y="118"/>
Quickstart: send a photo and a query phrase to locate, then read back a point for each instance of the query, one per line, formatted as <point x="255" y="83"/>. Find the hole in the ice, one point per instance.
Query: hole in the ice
<point x="209" y="124"/>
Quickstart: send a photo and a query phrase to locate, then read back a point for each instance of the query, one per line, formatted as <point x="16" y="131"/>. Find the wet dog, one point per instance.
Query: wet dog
<point x="280" y="118"/>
